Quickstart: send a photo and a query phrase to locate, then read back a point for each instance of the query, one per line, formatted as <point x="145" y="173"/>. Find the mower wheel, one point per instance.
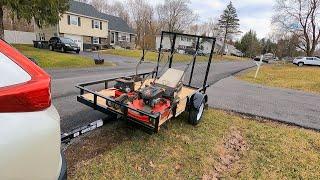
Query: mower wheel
<point x="195" y="114"/>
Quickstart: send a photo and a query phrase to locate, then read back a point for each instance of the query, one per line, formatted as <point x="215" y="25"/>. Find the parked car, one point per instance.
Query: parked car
<point x="300" y="61"/>
<point x="29" y="123"/>
<point x="201" y="53"/>
<point x="257" y="58"/>
<point x="63" y="44"/>
<point x="287" y="59"/>
<point x="190" y="51"/>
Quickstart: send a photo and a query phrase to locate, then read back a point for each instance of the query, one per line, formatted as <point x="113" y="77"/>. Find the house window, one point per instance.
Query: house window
<point x="95" y="40"/>
<point x="74" y="20"/>
<point x="96" y="24"/>
<point x="123" y="38"/>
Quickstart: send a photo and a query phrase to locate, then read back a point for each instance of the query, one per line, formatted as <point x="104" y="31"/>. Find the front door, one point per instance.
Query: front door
<point x="316" y="61"/>
<point x="309" y="60"/>
<point x="112" y="38"/>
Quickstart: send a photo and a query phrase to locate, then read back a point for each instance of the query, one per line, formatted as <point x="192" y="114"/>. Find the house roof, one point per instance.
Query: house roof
<point x="115" y="23"/>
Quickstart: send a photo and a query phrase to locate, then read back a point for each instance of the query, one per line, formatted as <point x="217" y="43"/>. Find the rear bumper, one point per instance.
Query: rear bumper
<point x="67" y="48"/>
<point x="63" y="170"/>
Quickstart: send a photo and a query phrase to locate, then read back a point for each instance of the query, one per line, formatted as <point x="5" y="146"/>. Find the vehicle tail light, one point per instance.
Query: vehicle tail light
<point x="33" y="95"/>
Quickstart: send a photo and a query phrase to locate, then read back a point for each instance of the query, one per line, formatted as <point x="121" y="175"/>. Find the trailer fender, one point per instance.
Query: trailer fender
<point x="197" y="99"/>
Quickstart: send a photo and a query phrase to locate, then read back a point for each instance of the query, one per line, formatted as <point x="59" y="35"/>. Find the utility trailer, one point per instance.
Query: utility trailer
<point x="151" y="99"/>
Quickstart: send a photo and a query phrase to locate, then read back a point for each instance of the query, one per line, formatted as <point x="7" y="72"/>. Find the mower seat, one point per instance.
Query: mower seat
<point x="171" y="78"/>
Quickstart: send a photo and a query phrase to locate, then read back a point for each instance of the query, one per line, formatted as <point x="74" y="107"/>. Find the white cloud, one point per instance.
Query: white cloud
<point x="261" y="26"/>
<point x="213" y="4"/>
<point x="253" y="14"/>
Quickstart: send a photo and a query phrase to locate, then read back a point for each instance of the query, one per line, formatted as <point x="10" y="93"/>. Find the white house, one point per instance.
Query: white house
<point x="183" y="43"/>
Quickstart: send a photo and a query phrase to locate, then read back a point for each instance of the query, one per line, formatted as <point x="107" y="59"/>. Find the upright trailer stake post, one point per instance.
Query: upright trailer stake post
<point x="208" y="67"/>
<point x="194" y="61"/>
<point x="172" y="48"/>
<point x="81" y="91"/>
<point x="159" y="54"/>
<point x="95" y="101"/>
<point x="106" y="84"/>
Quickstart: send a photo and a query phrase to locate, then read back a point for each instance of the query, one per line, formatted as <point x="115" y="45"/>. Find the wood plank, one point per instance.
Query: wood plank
<point x="185" y="92"/>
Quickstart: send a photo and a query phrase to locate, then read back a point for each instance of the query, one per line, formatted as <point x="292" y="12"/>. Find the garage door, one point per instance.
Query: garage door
<point x="77" y="39"/>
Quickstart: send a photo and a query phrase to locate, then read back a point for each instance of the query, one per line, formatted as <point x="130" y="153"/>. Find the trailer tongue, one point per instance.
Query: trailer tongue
<point x="151" y="99"/>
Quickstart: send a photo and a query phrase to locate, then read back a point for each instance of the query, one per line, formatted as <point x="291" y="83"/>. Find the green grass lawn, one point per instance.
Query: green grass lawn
<point x="52" y="59"/>
<point x="153" y="56"/>
<point x="222" y="145"/>
<point x="286" y="76"/>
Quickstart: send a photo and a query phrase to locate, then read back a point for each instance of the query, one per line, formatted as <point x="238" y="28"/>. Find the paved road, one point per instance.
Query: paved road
<point x="74" y="114"/>
<point x="285" y="105"/>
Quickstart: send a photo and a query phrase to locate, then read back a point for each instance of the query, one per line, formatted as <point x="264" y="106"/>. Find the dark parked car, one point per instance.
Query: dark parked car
<point x="265" y="60"/>
<point x="201" y="53"/>
<point x="63" y="44"/>
<point x="190" y="51"/>
<point x="193" y="51"/>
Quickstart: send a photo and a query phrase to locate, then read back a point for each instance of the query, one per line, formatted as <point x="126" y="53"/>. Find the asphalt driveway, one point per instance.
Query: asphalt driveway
<point x="289" y="106"/>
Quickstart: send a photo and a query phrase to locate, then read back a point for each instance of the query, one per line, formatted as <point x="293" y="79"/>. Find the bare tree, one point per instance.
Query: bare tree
<point x="100" y="5"/>
<point x="142" y="15"/>
<point x="299" y="18"/>
<point x="115" y="8"/>
<point x="119" y="9"/>
<point x="209" y="28"/>
<point x="193" y="29"/>
<point x="214" y="28"/>
<point x="175" y="15"/>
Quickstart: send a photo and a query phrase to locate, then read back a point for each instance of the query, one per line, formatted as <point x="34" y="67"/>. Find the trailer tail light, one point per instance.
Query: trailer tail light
<point x="29" y="96"/>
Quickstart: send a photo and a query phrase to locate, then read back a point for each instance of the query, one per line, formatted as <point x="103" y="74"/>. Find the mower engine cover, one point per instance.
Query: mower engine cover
<point x="150" y="94"/>
<point x="125" y="85"/>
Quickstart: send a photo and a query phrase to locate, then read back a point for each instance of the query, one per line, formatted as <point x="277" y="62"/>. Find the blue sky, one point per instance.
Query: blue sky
<point x="253" y="14"/>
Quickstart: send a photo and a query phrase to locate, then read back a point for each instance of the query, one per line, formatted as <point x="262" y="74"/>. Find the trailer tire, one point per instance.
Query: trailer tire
<point x="195" y="114"/>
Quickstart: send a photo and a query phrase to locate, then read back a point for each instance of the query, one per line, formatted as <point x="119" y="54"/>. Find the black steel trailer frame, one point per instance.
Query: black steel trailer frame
<point x="83" y="87"/>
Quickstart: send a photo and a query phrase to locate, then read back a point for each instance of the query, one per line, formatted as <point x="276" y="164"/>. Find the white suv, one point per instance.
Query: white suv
<point x="300" y="61"/>
<point x="29" y="123"/>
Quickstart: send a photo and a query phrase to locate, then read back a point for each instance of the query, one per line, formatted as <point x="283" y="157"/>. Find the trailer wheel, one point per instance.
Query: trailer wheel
<point x="195" y="114"/>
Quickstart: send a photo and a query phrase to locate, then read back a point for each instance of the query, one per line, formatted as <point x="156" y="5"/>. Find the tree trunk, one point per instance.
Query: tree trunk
<point x="1" y="23"/>
<point x="309" y="53"/>
<point x="224" y="42"/>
